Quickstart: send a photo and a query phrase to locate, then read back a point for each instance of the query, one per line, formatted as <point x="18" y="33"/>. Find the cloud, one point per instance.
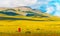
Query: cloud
<point x="50" y="6"/>
<point x="4" y="3"/>
<point x="54" y="10"/>
<point x="49" y="10"/>
<point x="15" y="3"/>
<point x="57" y="6"/>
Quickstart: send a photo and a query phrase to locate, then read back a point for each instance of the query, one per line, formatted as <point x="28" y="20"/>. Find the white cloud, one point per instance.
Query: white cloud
<point x="57" y="6"/>
<point x="50" y="10"/>
<point x="14" y="3"/>
<point x="4" y="3"/>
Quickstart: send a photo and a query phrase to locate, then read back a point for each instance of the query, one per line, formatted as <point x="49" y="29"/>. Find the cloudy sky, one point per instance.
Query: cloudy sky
<point x="48" y="6"/>
<point x="15" y="3"/>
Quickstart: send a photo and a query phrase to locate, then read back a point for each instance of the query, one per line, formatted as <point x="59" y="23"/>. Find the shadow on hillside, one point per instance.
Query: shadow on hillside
<point x="8" y="18"/>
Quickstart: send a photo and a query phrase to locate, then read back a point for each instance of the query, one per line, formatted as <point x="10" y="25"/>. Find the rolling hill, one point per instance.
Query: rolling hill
<point x="26" y="13"/>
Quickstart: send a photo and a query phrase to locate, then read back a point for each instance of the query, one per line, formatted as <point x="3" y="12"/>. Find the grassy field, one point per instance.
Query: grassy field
<point x="44" y="34"/>
<point x="29" y="28"/>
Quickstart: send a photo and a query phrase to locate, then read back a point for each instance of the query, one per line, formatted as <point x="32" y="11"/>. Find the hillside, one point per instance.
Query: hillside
<point x="26" y="13"/>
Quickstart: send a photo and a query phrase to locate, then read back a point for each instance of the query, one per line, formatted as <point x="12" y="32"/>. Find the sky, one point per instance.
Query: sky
<point x="46" y="6"/>
<point x="15" y="3"/>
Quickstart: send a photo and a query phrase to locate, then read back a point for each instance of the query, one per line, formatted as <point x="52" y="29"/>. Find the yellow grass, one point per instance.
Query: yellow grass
<point x="9" y="26"/>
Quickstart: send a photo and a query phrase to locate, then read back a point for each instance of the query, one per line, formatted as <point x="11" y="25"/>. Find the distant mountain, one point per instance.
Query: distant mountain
<point x="23" y="11"/>
<point x="26" y="12"/>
